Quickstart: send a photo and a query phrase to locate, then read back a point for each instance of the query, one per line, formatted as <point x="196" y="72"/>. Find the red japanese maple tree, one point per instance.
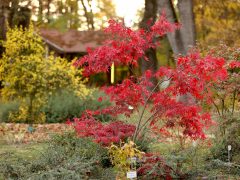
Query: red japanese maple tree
<point x="193" y="74"/>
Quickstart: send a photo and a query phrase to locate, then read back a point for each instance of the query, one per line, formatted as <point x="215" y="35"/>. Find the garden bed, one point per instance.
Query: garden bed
<point x="24" y="133"/>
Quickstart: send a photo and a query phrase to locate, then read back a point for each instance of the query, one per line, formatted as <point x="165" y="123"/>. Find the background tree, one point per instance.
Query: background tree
<point x="3" y="17"/>
<point x="88" y="13"/>
<point x="13" y="15"/>
<point x="79" y="14"/>
<point x="181" y="39"/>
<point x="29" y="77"/>
<point x="149" y="18"/>
<point x="185" y="37"/>
<point x="216" y="19"/>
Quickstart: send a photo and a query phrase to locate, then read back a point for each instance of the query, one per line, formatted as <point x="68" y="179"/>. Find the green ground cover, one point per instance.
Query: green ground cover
<point x="12" y="153"/>
<point x="193" y="161"/>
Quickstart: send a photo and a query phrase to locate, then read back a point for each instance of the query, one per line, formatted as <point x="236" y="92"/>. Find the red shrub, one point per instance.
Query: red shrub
<point x="194" y="75"/>
<point x="153" y="167"/>
<point x="105" y="134"/>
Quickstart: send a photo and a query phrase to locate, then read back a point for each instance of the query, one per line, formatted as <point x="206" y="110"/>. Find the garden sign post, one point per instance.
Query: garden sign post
<point x="132" y="174"/>
<point x="229" y="149"/>
<point x="229" y="156"/>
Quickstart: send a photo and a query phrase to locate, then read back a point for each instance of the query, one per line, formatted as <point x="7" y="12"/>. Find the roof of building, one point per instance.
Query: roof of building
<point x="72" y="41"/>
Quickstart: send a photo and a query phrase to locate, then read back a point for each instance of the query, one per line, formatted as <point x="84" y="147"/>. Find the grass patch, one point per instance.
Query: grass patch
<point x="24" y="151"/>
<point x="12" y="153"/>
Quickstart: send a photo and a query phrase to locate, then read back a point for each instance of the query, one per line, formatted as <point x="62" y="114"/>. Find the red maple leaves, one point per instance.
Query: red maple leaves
<point x="194" y="75"/>
<point x="105" y="134"/>
<point x="125" y="47"/>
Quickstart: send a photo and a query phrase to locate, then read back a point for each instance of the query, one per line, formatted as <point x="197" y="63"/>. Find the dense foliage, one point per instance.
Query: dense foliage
<point x="194" y="74"/>
<point x="105" y="134"/>
<point x="30" y="76"/>
<point x="66" y="157"/>
<point x="176" y="109"/>
<point x="66" y="104"/>
<point x="46" y="88"/>
<point x="216" y="21"/>
<point x="153" y="166"/>
<point x="226" y="105"/>
<point x="122" y="157"/>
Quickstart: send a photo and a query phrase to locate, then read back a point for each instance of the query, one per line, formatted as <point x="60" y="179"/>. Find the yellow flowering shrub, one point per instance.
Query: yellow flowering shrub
<point x="30" y="77"/>
<point x="121" y="156"/>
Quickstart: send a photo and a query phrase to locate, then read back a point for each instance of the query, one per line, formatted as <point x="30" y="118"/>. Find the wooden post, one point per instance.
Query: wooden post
<point x="112" y="73"/>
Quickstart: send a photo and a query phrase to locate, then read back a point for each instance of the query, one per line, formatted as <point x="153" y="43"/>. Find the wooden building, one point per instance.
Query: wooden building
<point x="73" y="44"/>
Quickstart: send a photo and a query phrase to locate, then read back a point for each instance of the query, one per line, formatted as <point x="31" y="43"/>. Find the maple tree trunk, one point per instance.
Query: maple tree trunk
<point x="149" y="18"/>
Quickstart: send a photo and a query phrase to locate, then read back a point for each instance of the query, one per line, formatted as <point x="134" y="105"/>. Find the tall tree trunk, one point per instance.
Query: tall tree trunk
<point x="40" y="11"/>
<point x="182" y="39"/>
<point x="75" y="18"/>
<point x="86" y="14"/>
<point x="188" y="32"/>
<point x="48" y="10"/>
<point x="91" y="16"/>
<point x="174" y="38"/>
<point x="3" y="19"/>
<point x="149" y="18"/>
<point x="13" y="11"/>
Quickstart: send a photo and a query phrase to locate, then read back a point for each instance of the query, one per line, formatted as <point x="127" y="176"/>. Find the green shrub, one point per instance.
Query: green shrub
<point x="66" y="157"/>
<point x="231" y="137"/>
<point x="6" y="109"/>
<point x="66" y="105"/>
<point x="233" y="169"/>
<point x="219" y="150"/>
<point x="144" y="142"/>
<point x="59" y="107"/>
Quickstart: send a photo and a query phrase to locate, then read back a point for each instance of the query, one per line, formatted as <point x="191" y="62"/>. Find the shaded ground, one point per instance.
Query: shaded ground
<point x="23" y="133"/>
<point x="13" y="152"/>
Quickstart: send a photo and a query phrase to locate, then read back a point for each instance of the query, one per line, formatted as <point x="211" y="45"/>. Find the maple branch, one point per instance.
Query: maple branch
<point x="145" y="123"/>
<point x="234" y="99"/>
<point x="215" y="105"/>
<point x="223" y="105"/>
<point x="145" y="105"/>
